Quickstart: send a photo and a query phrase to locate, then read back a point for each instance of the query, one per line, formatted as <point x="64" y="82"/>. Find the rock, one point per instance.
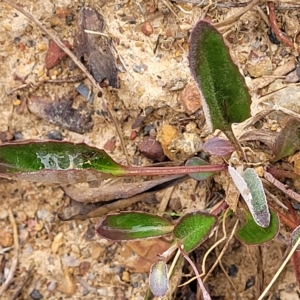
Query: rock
<point x="190" y="98"/>
<point x="152" y="149"/>
<point x="6" y="238"/>
<point x="23" y="70"/>
<point x="84" y="267"/>
<point x="165" y="136"/>
<point x="288" y="97"/>
<point x="55" y="54"/>
<point x="147" y="28"/>
<point x="96" y="251"/>
<point x="186" y="145"/>
<point x="258" y="66"/>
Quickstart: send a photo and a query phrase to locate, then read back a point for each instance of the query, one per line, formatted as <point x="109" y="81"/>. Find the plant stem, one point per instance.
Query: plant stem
<point x="235" y="143"/>
<point x="148" y="171"/>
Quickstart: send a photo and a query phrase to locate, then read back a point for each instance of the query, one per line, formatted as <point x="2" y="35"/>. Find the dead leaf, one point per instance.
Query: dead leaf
<point x="146" y="254"/>
<point x="95" y="49"/>
<point x="117" y="189"/>
<point x="60" y="112"/>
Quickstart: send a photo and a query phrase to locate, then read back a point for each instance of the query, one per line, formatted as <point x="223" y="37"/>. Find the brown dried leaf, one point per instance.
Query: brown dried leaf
<point x="116" y="190"/>
<point x="95" y="49"/>
<point x="81" y="211"/>
<point x="265" y="136"/>
<point x="146" y="251"/>
<point x="61" y="112"/>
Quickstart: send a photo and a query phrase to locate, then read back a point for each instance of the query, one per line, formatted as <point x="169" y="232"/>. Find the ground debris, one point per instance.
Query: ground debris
<point x="60" y="112"/>
<point x="95" y="49"/>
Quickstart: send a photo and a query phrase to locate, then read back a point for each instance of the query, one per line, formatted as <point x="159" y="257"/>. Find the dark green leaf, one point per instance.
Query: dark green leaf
<point x="288" y="140"/>
<point x="132" y="226"/>
<point x="193" y="229"/>
<point x="253" y="234"/>
<point x="55" y="162"/>
<point x="197" y="161"/>
<point x="225" y="96"/>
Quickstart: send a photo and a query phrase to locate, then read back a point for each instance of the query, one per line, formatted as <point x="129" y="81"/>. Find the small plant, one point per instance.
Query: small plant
<point x="226" y="100"/>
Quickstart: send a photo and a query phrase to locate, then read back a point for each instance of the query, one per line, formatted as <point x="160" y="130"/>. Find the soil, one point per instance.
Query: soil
<point x="66" y="260"/>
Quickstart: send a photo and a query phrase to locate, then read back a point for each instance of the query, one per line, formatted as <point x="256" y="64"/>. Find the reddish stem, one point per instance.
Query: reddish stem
<point x="296" y="263"/>
<point x="283" y="173"/>
<point x="284" y="218"/>
<point x="279" y="34"/>
<point x="149" y="171"/>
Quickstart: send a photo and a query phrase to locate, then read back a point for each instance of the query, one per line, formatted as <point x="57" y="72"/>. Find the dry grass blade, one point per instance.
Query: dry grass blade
<point x="281" y="186"/>
<point x="238" y="15"/>
<point x="14" y="261"/>
<point x="279" y="270"/>
<point x="78" y="63"/>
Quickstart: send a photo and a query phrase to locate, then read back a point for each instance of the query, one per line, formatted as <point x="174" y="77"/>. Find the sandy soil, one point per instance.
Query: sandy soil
<point x="66" y="260"/>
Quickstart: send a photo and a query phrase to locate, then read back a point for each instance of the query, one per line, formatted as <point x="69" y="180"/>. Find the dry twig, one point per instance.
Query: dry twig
<point x="14" y="261"/>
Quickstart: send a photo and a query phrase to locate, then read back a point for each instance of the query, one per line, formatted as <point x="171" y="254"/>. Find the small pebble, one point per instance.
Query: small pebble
<point x="6" y="238"/>
<point x="147" y="28"/>
<point x="84" y="267"/>
<point x="165" y="136"/>
<point x="18" y="135"/>
<point x="250" y="282"/>
<point x="36" y="295"/>
<point x="190" y="98"/>
<point x="54" y="135"/>
<point x="232" y="270"/>
<point x="263" y="48"/>
<point x="126" y="276"/>
<point x="152" y="149"/>
<point x="6" y="136"/>
<point x="147" y="129"/>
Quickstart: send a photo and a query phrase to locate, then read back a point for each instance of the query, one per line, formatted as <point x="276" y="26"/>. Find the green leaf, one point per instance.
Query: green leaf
<point x="158" y="279"/>
<point x="253" y="234"/>
<point x="197" y="161"/>
<point x="225" y="96"/>
<point x="250" y="186"/>
<point x="133" y="225"/>
<point x="258" y="205"/>
<point x="288" y="140"/>
<point x="34" y="156"/>
<point x="193" y="229"/>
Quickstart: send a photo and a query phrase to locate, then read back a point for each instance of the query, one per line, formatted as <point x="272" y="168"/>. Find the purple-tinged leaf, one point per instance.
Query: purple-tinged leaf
<point x="225" y="96"/>
<point x="158" y="279"/>
<point x="54" y="161"/>
<point x="193" y="229"/>
<point x="63" y="162"/>
<point x="253" y="234"/>
<point x="218" y="147"/>
<point x="197" y="161"/>
<point x="288" y="140"/>
<point x="127" y="226"/>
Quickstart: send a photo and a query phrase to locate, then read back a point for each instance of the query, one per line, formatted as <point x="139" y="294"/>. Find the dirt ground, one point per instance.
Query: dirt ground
<point x="66" y="260"/>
